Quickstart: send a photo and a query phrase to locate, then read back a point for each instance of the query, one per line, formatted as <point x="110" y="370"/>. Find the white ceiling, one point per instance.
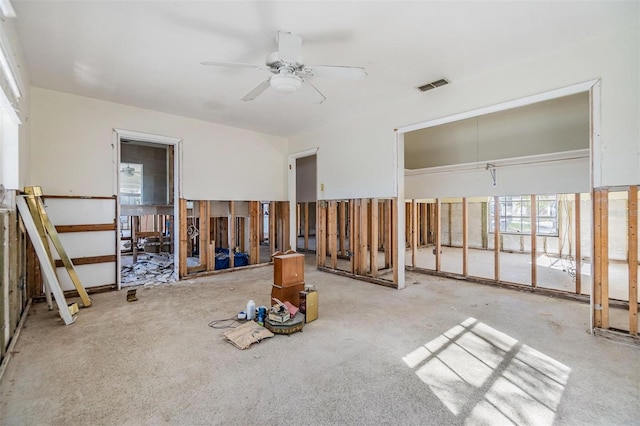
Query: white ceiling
<point x="147" y="53"/>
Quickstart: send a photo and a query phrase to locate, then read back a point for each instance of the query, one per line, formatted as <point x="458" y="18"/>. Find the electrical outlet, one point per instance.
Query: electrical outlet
<point x="322" y="187"/>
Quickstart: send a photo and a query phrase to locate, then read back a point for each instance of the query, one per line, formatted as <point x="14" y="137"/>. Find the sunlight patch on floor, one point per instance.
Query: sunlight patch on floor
<point x="484" y="376"/>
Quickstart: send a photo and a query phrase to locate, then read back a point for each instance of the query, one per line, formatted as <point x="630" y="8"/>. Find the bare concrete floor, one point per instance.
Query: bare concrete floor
<point x="438" y="352"/>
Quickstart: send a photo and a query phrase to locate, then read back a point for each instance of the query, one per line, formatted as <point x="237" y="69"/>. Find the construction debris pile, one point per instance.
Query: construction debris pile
<point x="151" y="268"/>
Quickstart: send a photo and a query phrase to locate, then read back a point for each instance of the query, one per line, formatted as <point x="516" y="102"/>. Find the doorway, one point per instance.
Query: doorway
<point x="147" y="183"/>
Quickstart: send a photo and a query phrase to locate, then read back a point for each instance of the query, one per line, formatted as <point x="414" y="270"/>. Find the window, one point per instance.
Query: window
<point x="131" y="184"/>
<point x="515" y="214"/>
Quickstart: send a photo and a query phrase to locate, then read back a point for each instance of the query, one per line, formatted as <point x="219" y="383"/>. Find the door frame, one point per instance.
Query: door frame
<point x="135" y="136"/>
<point x="292" y="176"/>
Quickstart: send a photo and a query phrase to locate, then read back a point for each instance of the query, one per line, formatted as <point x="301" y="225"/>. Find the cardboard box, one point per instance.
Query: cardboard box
<point x="288" y="269"/>
<point x="309" y="305"/>
<point x="290" y="294"/>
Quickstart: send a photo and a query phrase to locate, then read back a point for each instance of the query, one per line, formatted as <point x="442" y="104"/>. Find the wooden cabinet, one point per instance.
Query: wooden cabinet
<point x="289" y="294"/>
<point x="288" y="269"/>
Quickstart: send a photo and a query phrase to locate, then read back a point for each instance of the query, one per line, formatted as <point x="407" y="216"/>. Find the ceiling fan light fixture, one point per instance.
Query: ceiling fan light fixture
<point x="285" y="83"/>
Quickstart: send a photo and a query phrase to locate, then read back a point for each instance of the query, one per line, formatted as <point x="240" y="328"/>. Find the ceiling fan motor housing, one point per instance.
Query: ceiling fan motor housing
<point x="275" y="62"/>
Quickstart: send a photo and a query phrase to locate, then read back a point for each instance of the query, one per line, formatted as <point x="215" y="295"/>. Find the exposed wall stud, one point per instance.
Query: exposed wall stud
<point x="632" y="211"/>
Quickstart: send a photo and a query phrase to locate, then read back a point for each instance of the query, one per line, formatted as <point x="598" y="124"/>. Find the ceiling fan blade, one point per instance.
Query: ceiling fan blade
<point x="289" y="45"/>
<point x="256" y="91"/>
<point x="232" y="64"/>
<point x="335" y="71"/>
<point x="321" y="98"/>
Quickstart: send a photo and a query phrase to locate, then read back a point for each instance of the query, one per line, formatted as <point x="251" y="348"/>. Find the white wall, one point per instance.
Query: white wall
<point x="72" y="152"/>
<point x="356" y="157"/>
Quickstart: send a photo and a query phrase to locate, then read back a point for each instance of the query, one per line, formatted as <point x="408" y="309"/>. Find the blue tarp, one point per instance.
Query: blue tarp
<point x="222" y="258"/>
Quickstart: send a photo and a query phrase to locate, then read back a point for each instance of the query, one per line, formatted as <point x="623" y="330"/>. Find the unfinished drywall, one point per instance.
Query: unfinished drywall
<point x="357" y="157"/>
<point x="73" y="150"/>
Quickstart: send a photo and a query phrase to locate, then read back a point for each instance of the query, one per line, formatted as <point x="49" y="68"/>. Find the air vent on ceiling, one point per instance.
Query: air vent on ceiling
<point x="433" y="85"/>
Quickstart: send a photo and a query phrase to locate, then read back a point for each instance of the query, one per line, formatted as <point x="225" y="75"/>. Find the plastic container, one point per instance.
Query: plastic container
<point x="251" y="309"/>
<point x="262" y="313"/>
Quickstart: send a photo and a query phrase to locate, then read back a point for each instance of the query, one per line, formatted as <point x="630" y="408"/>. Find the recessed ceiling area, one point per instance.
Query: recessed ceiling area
<point x="148" y="54"/>
<point x="555" y="125"/>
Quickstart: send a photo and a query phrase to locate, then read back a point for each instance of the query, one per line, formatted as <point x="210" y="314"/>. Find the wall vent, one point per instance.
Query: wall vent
<point x="433" y="85"/>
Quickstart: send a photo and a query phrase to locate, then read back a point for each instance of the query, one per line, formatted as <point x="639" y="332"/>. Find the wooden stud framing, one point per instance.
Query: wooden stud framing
<point x="534" y="241"/>
<point x="306" y="226"/>
<point x="465" y="237"/>
<point x="272" y="226"/>
<point x="321" y="233"/>
<point x="232" y="234"/>
<point x="632" y="209"/>
<point x="414" y="233"/>
<point x="601" y="258"/>
<point x="203" y="225"/>
<point x="578" y="243"/>
<point x="387" y="233"/>
<point x="254" y="232"/>
<point x="424" y="222"/>
<point x="342" y="212"/>
<point x="438" y="235"/>
<point x="333" y="233"/>
<point x="355" y="219"/>
<point x="373" y="245"/>
<point x="394" y="237"/>
<point x="363" y="236"/>
<point x="496" y="238"/>
<point x="352" y="239"/>
<point x="183" y="237"/>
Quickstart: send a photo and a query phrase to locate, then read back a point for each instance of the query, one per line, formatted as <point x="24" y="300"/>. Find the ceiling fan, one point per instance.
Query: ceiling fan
<point x="289" y="70"/>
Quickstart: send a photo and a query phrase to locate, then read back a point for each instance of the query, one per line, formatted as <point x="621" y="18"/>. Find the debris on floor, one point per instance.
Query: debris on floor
<point x="131" y="295"/>
<point x="248" y="333"/>
<point x="150" y="268"/>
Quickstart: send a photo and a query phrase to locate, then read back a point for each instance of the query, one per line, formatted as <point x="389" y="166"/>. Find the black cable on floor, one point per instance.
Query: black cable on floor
<point x="225" y="323"/>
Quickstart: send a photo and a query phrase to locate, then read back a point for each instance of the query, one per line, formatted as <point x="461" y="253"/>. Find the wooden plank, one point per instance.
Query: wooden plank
<point x="342" y="230"/>
<point x="203" y="229"/>
<point x="284" y="220"/>
<point x="272" y="226"/>
<point x="57" y="243"/>
<point x="232" y="233"/>
<point x="414" y="232"/>
<point x="465" y="237"/>
<point x="357" y="237"/>
<point x="363" y="236"/>
<point x="596" y="195"/>
<point x="496" y="238"/>
<point x="424" y="223"/>
<point x="605" y="257"/>
<point x="321" y="233"/>
<point x="387" y="233"/>
<point x="632" y="221"/>
<point x="135" y="225"/>
<point x="80" y="197"/>
<point x="578" y="243"/>
<point x="298" y="222"/>
<point x="61" y="229"/>
<point x="534" y="241"/>
<point x="352" y="238"/>
<point x="254" y="240"/>
<point x="182" y="221"/>
<point x="373" y="244"/>
<point x="89" y="260"/>
<point x="394" y="237"/>
<point x="53" y="285"/>
<point x="333" y="233"/>
<point x="438" y="234"/>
